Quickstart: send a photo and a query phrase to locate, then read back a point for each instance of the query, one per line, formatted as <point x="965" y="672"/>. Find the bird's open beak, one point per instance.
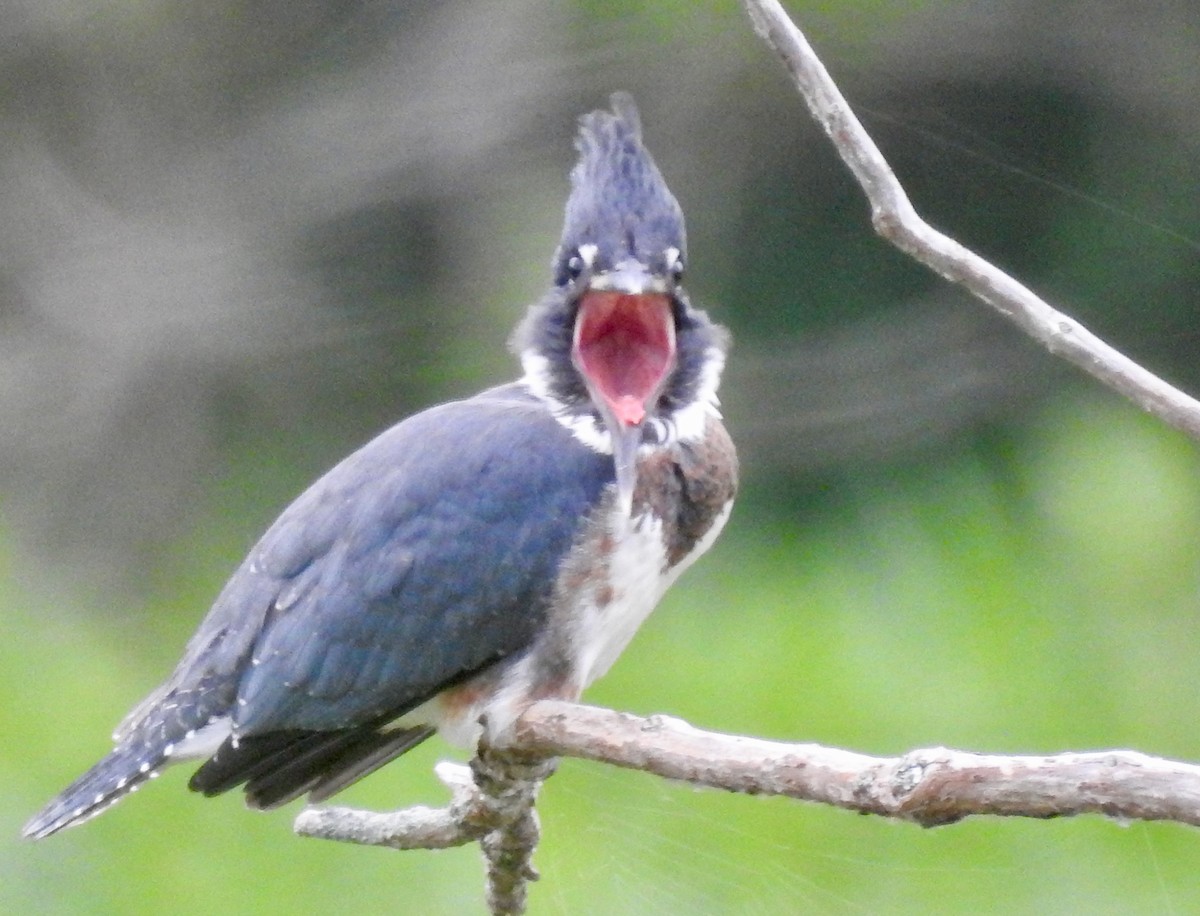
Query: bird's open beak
<point x="624" y="346"/>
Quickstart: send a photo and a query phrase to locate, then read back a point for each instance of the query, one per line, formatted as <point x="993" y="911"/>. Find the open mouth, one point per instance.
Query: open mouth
<point x="625" y="348"/>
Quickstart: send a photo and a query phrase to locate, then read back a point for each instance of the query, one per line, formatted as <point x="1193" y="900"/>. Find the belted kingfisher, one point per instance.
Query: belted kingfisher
<point x="478" y="556"/>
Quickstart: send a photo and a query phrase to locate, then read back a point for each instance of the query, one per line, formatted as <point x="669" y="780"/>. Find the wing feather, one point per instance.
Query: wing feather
<point x="424" y="556"/>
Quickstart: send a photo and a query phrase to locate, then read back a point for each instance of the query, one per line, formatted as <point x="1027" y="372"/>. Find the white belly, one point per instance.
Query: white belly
<point x="639" y="577"/>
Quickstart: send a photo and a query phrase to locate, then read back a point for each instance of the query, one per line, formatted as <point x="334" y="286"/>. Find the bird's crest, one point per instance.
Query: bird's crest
<point x="619" y="201"/>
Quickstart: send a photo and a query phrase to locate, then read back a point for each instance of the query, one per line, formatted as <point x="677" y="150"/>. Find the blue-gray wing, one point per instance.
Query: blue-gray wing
<point x="421" y="558"/>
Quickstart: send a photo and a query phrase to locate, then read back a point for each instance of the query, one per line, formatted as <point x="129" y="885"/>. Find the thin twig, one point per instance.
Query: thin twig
<point x="466" y="819"/>
<point x="897" y="221"/>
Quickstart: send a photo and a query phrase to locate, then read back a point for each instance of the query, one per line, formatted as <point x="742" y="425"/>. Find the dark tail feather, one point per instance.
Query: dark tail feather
<point x="233" y="764"/>
<point x="352" y="771"/>
<point x="334" y="765"/>
<point x="281" y="767"/>
<point x="105" y="784"/>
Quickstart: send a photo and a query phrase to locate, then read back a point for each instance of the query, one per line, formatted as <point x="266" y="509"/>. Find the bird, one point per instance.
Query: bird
<point x="478" y="556"/>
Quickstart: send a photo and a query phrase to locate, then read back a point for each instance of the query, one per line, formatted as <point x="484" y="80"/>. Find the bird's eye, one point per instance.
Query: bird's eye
<point x="676" y="270"/>
<point x="579" y="263"/>
<point x="673" y="258"/>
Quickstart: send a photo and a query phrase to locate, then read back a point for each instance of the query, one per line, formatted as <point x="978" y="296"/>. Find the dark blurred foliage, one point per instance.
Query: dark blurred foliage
<point x="240" y="238"/>
<point x="300" y="221"/>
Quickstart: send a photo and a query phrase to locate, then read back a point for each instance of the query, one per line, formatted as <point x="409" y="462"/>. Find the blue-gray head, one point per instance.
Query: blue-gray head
<point x="620" y="207"/>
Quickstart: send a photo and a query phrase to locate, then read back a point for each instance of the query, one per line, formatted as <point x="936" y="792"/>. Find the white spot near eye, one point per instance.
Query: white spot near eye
<point x="588" y="254"/>
<point x="673" y="259"/>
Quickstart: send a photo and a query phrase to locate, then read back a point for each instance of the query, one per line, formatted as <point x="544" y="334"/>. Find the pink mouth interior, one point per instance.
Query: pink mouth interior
<point x="625" y="346"/>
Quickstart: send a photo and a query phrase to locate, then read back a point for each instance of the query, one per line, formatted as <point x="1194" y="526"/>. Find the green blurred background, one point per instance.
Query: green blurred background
<point x="240" y="238"/>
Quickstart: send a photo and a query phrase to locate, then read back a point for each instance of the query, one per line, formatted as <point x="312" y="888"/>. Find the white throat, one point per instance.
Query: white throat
<point x="685" y="425"/>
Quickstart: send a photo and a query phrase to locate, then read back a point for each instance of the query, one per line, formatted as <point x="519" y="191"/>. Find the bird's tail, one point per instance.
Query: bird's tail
<point x="105" y="784"/>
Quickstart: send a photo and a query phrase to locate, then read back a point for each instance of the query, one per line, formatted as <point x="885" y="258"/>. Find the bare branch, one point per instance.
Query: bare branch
<point x="895" y="219"/>
<point x="930" y="787"/>
<point x="466" y="819"/>
<point x="492" y="804"/>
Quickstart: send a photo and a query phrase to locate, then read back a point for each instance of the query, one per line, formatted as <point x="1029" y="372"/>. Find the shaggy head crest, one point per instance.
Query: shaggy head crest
<point x="619" y="201"/>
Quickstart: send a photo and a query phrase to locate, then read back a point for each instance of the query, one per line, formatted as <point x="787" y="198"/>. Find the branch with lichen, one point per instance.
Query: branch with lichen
<point x="492" y="803"/>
